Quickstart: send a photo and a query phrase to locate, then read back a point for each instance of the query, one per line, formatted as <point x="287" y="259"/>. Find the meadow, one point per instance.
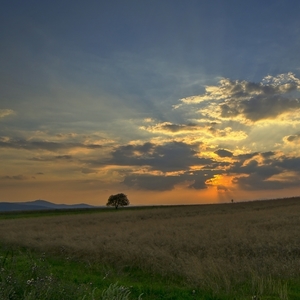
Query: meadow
<point x="222" y="251"/>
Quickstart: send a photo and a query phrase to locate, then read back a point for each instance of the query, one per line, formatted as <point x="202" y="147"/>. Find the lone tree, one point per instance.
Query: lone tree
<point x="118" y="200"/>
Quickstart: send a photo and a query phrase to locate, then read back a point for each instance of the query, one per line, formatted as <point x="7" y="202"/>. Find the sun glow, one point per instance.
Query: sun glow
<point x="223" y="183"/>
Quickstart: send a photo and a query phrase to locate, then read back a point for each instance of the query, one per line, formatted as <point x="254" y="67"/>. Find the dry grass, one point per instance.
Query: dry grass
<point x="216" y="246"/>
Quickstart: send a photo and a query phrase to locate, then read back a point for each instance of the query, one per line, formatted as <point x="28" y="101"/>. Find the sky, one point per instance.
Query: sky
<point x="169" y="102"/>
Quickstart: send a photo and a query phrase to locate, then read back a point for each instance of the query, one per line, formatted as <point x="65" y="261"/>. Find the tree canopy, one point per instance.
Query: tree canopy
<point x="118" y="200"/>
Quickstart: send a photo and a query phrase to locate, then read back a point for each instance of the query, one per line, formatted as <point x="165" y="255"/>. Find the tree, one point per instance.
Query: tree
<point x="117" y="200"/>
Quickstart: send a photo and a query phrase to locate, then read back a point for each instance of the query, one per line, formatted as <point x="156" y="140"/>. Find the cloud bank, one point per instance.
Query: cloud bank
<point x="249" y="101"/>
<point x="237" y="136"/>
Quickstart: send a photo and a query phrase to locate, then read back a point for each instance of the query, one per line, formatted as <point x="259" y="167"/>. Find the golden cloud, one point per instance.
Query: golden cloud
<point x="6" y="112"/>
<point x="249" y="102"/>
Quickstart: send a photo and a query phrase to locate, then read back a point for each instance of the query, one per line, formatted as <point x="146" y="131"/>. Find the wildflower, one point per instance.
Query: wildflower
<point x="34" y="267"/>
<point x="30" y="281"/>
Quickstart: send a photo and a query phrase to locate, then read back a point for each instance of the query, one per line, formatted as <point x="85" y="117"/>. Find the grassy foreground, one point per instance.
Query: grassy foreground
<point x="225" y="251"/>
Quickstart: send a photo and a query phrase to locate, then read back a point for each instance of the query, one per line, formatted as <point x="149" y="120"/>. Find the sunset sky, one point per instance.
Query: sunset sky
<point x="169" y="102"/>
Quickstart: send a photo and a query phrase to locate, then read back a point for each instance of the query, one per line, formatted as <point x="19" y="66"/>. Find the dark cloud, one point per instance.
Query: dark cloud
<point x="197" y="180"/>
<point x="268" y="157"/>
<point x="151" y="182"/>
<point x="67" y="157"/>
<point x="259" y="176"/>
<point x="293" y="138"/>
<point x="258" y="101"/>
<point x="253" y="167"/>
<point x="210" y="128"/>
<point x="258" y="107"/>
<point x="267" y="154"/>
<point x="248" y="163"/>
<point x="216" y="165"/>
<point x="243" y="157"/>
<point x="289" y="163"/>
<point x="173" y="128"/>
<point x="199" y="183"/>
<point x="88" y="171"/>
<point x="254" y="101"/>
<point x="38" y="158"/>
<point x="88" y="146"/>
<point x="15" y="177"/>
<point x="256" y="182"/>
<point x="43" y="145"/>
<point x="172" y="156"/>
<point x="51" y="158"/>
<point x="266" y="171"/>
<point x="223" y="153"/>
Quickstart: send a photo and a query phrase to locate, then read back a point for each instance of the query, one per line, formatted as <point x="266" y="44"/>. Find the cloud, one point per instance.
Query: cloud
<point x="267" y="154"/>
<point x="256" y="182"/>
<point x="224" y="153"/>
<point x="199" y="147"/>
<point x="199" y="183"/>
<point x="210" y="129"/>
<point x="270" y="173"/>
<point x="88" y="171"/>
<point x="222" y="188"/>
<point x="42" y="145"/>
<point x="66" y="135"/>
<point x="292" y="138"/>
<point x="164" y="166"/>
<point x="245" y="156"/>
<point x="173" y="156"/>
<point x="251" y="171"/>
<point x="153" y="183"/>
<point x="64" y="157"/>
<point x="252" y="164"/>
<point x="148" y="120"/>
<point x="6" y="112"/>
<point x="15" y="177"/>
<point x="250" y="101"/>
<point x="288" y="163"/>
<point x="195" y="180"/>
<point x="167" y="127"/>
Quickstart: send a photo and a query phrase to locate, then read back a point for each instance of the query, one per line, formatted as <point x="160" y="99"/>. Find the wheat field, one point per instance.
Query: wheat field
<point x="216" y="246"/>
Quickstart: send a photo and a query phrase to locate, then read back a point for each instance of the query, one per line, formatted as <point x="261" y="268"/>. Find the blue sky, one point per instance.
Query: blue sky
<point x="166" y="101"/>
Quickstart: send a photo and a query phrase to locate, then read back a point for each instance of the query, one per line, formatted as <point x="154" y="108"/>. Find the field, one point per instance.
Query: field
<point x="223" y="251"/>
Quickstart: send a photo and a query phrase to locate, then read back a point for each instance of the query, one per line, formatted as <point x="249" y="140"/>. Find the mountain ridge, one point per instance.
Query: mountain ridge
<point x="39" y="205"/>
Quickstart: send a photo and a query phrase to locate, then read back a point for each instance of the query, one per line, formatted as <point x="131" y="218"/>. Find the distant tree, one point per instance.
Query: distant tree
<point x="118" y="200"/>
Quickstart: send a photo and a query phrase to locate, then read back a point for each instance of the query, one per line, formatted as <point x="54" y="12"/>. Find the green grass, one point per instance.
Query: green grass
<point x="30" y="275"/>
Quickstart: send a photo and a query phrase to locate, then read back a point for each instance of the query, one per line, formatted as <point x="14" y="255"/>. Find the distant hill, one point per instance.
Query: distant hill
<point x="38" y="205"/>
